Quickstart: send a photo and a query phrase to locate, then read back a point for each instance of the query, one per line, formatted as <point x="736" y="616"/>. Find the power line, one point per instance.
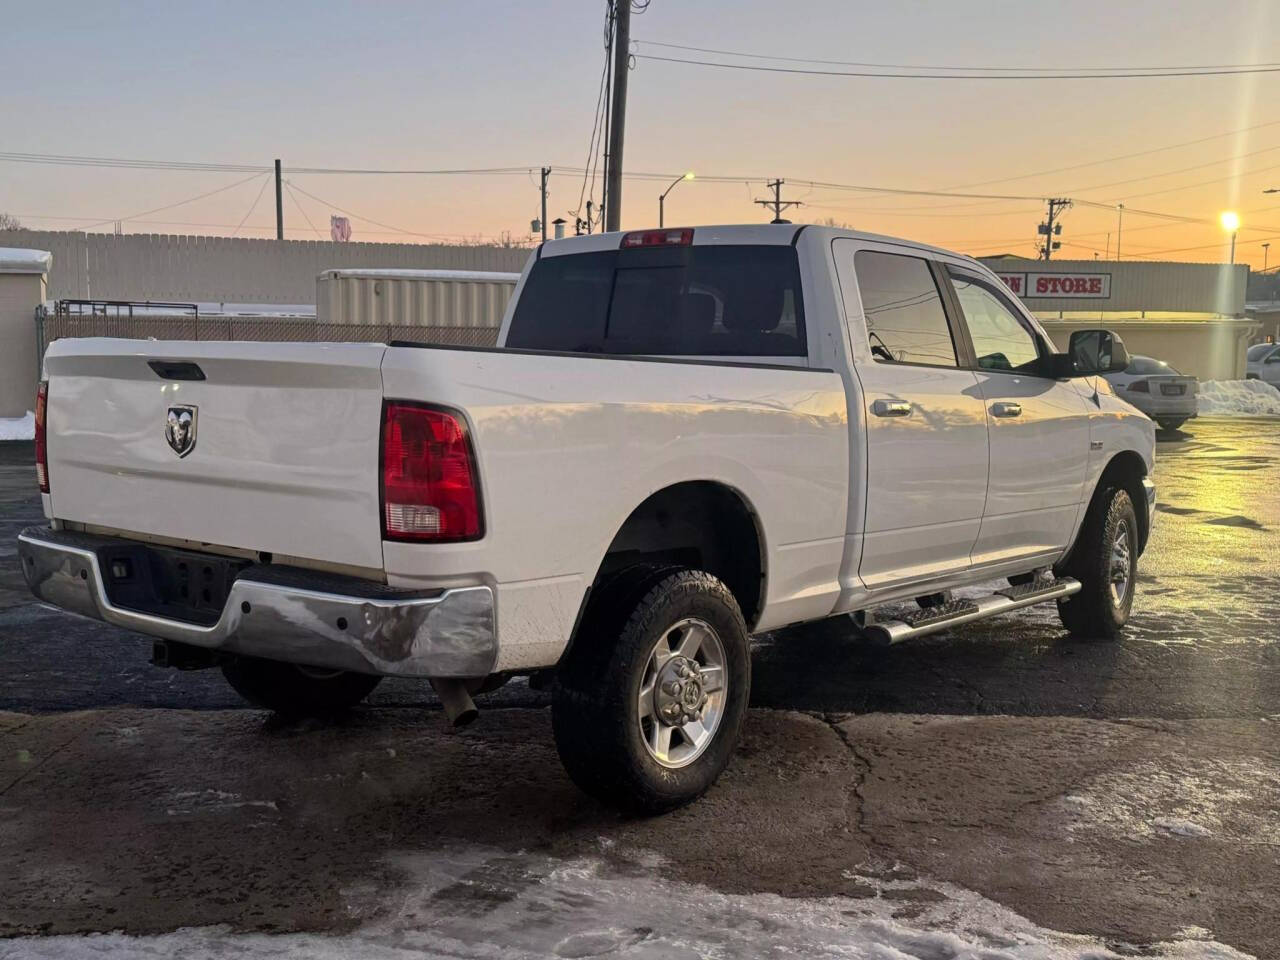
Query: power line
<point x="459" y="171"/>
<point x="915" y="66"/>
<point x="170" y="206"/>
<point x="1113" y="183"/>
<point x="1203" y="183"/>
<point x="958" y="76"/>
<point x="253" y="206"/>
<point x="116" y="162"/>
<point x="388" y="226"/>
<point x="1203" y="246"/>
<point x="379" y="223"/>
<point x="294" y="197"/>
<point x="1116" y="159"/>
<point x="596" y="124"/>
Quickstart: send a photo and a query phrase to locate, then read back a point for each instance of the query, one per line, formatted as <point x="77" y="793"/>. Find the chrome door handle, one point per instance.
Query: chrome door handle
<point x="891" y="408"/>
<point x="1003" y="409"/>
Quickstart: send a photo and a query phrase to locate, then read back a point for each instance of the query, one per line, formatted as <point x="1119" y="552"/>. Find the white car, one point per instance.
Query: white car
<point x="683" y="438"/>
<point x="1263" y="363"/>
<point x="1157" y="389"/>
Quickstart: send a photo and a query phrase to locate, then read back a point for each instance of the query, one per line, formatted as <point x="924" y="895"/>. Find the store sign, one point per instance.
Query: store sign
<point x="1059" y="286"/>
<point x="1017" y="282"/>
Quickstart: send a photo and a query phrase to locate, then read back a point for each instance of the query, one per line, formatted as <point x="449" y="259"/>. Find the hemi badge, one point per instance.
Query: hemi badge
<point x="1095" y="444"/>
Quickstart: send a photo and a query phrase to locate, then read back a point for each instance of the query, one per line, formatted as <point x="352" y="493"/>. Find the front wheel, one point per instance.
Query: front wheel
<point x="1105" y="561"/>
<point x="293" y="690"/>
<point x="651" y="698"/>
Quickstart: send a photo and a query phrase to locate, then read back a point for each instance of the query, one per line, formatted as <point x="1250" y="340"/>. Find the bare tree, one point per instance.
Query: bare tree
<point x="9" y="222"/>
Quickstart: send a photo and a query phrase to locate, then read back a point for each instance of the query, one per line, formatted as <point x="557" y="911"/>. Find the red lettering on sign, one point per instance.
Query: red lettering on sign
<point x="1095" y="284"/>
<point x="1042" y="284"/>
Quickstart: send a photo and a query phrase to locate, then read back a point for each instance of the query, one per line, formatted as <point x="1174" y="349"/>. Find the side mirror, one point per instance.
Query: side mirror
<point x="1096" y="351"/>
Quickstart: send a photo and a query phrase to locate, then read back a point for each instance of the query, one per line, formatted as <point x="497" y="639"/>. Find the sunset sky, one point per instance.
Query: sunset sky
<point x="430" y="85"/>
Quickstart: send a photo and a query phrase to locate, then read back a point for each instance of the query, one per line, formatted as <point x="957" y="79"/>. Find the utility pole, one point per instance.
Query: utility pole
<point x="1266" y="248"/>
<point x="1119" y="225"/>
<point x="618" y="112"/>
<point x="279" y="205"/>
<point x="1051" y="228"/>
<point x="777" y="202"/>
<point x="546" y="172"/>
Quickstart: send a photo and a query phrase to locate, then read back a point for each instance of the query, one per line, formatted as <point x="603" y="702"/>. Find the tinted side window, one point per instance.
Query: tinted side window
<point x="1001" y="338"/>
<point x="739" y="301"/>
<point x="905" y="319"/>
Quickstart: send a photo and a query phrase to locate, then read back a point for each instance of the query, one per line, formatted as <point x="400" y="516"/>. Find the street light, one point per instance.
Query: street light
<point x="663" y="196"/>
<point x="1266" y="248"/>
<point x="1230" y="221"/>
<point x="1272" y="190"/>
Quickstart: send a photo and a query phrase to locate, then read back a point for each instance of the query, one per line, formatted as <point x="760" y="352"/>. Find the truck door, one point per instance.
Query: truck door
<point x="1039" y="428"/>
<point x="926" y="425"/>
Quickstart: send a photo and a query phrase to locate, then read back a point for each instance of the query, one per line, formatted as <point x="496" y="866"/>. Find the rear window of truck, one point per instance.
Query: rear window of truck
<point x="737" y="301"/>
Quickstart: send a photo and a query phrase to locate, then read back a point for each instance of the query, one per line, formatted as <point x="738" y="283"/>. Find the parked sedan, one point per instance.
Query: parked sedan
<point x="1263" y="363"/>
<point x="1158" y="390"/>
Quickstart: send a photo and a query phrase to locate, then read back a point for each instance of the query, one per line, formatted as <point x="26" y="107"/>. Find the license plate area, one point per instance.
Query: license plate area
<point x="1172" y="389"/>
<point x="170" y="583"/>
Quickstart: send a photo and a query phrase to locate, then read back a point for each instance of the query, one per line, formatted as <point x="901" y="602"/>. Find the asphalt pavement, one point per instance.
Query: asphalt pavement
<point x="1120" y="791"/>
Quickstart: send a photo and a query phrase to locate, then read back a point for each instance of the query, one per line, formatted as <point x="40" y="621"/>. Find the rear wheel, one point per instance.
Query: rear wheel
<point x="651" y="698"/>
<point x="1105" y="561"/>
<point x="1171" y="424"/>
<point x="294" y="690"/>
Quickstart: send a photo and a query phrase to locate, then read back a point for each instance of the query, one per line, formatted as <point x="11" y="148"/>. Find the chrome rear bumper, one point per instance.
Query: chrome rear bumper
<point x="288" y="614"/>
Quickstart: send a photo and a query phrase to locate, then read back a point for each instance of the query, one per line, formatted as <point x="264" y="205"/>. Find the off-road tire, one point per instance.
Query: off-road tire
<point x="1094" y="612"/>
<point x="595" y="711"/>
<point x="294" y="691"/>
<point x="1171" y="424"/>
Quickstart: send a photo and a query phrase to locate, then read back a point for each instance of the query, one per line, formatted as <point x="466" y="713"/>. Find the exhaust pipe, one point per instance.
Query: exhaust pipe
<point x="456" y="699"/>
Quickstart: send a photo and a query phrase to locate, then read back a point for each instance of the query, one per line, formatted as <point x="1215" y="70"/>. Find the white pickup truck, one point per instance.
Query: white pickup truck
<point x="684" y="437"/>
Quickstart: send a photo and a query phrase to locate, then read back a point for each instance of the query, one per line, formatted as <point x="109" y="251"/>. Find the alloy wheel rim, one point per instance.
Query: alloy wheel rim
<point x="1121" y="569"/>
<point x="682" y="693"/>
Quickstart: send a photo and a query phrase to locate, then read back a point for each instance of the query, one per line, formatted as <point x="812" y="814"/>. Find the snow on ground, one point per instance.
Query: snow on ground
<point x="472" y="903"/>
<point x="20" y="428"/>
<point x="1152" y="801"/>
<point x="1239" y="398"/>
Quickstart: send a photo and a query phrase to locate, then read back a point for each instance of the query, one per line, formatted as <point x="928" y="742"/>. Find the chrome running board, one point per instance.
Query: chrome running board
<point x="933" y="619"/>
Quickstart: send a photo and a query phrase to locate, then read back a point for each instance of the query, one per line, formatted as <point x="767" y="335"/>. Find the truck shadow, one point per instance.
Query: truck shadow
<point x="1007" y="666"/>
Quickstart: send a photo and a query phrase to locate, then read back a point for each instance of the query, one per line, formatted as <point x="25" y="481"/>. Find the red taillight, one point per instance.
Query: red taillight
<point x="1140" y="386"/>
<point x="658" y="238"/>
<point x="42" y="447"/>
<point x="429" y="486"/>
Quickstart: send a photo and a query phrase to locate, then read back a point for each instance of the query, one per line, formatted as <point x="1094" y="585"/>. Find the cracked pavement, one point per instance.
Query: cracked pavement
<point x="1126" y="791"/>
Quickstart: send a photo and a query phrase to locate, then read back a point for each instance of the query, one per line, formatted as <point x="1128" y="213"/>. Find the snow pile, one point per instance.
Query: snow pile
<point x="16" y="260"/>
<point x="485" y="904"/>
<point x="21" y="428"/>
<point x="1182" y="828"/>
<point x="1238" y="398"/>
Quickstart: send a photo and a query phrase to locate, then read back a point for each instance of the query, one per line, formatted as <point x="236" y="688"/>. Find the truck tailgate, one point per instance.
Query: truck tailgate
<point x="285" y="451"/>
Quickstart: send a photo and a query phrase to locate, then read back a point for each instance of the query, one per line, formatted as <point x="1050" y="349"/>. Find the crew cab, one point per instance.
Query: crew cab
<point x="683" y="437"/>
